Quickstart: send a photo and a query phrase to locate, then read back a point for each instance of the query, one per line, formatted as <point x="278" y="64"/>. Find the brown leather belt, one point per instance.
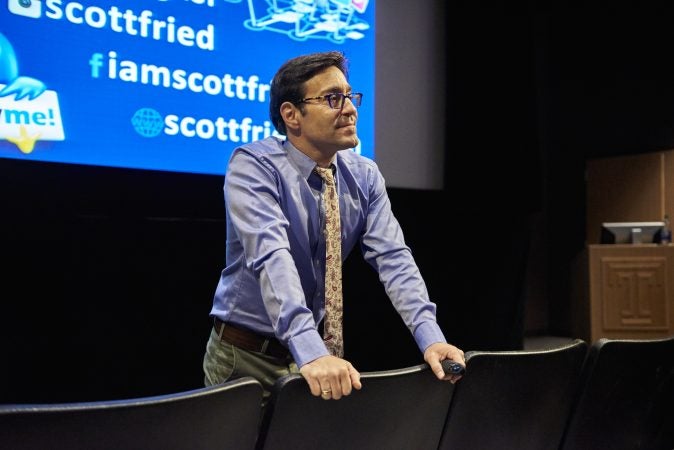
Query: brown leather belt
<point x="247" y="340"/>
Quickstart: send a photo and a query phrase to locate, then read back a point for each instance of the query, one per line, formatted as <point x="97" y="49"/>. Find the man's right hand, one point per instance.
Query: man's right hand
<point x="330" y="377"/>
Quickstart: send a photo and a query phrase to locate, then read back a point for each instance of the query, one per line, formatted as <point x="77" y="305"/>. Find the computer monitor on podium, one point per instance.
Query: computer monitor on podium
<point x="631" y="232"/>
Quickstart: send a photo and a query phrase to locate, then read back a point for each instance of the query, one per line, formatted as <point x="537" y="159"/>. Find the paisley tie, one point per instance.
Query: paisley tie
<point x="333" y="335"/>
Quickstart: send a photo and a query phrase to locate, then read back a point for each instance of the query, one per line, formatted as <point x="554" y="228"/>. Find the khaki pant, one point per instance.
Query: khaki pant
<point x="223" y="362"/>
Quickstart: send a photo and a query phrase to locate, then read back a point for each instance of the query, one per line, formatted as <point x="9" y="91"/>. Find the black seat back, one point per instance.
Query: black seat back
<point x="396" y="409"/>
<point x="626" y="400"/>
<point x="226" y="416"/>
<point x="514" y="399"/>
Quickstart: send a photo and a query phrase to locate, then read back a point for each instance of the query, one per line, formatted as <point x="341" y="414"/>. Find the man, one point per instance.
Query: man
<point x="270" y="300"/>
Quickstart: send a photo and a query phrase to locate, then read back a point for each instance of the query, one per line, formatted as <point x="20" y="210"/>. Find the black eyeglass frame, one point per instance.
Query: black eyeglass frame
<point x="355" y="97"/>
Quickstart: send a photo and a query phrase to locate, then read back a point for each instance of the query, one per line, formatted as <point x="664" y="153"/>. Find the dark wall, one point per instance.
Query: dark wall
<point x="493" y="182"/>
<point x="107" y="280"/>
<point x="604" y="90"/>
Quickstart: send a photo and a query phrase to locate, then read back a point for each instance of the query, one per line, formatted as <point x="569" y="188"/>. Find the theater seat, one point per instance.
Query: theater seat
<point x="514" y="399"/>
<point x="225" y="416"/>
<point x="626" y="399"/>
<point x="396" y="409"/>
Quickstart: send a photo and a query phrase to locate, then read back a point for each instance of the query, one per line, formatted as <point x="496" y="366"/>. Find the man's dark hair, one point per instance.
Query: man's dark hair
<point x="288" y="83"/>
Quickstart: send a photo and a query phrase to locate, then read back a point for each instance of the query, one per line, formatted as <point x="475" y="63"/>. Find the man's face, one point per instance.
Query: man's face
<point x="322" y="127"/>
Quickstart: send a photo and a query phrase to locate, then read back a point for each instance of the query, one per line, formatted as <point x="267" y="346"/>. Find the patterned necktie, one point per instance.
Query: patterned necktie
<point x="332" y="329"/>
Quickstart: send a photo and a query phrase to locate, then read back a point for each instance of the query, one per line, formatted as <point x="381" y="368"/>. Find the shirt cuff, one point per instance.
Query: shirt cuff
<point x="428" y="333"/>
<point x="306" y="347"/>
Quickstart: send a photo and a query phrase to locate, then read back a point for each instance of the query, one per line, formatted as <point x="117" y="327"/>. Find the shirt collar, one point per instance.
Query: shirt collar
<point x="304" y="164"/>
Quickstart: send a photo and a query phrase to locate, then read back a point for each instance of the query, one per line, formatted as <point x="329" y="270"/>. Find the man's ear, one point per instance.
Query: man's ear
<point x="290" y="115"/>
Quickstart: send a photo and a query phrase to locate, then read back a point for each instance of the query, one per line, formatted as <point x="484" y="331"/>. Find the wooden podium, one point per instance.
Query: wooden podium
<point x="625" y="291"/>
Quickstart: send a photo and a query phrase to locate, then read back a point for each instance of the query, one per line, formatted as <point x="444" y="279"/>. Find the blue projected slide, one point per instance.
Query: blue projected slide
<point x="171" y="85"/>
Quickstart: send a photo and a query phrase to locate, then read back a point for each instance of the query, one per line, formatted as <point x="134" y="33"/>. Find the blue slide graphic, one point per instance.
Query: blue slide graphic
<point x="171" y="85"/>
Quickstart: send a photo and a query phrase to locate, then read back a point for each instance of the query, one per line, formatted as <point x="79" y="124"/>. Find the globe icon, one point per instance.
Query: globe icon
<point x="147" y="122"/>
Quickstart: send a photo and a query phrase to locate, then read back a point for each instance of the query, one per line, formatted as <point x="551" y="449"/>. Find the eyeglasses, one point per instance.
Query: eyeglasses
<point x="336" y="100"/>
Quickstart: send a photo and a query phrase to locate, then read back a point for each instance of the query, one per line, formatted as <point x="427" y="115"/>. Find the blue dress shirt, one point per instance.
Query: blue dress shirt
<point x="273" y="280"/>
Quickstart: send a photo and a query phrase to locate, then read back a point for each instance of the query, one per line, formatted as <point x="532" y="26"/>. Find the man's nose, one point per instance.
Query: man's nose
<point x="349" y="107"/>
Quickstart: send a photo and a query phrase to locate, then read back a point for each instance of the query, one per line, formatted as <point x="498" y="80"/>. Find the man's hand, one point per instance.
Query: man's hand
<point x="330" y="377"/>
<point x="439" y="352"/>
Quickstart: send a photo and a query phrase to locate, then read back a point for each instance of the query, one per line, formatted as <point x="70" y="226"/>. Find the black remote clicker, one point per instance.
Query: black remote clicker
<point x="452" y="367"/>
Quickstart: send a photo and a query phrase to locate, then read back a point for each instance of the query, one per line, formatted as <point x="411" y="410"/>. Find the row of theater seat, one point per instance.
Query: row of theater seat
<point x="614" y="394"/>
